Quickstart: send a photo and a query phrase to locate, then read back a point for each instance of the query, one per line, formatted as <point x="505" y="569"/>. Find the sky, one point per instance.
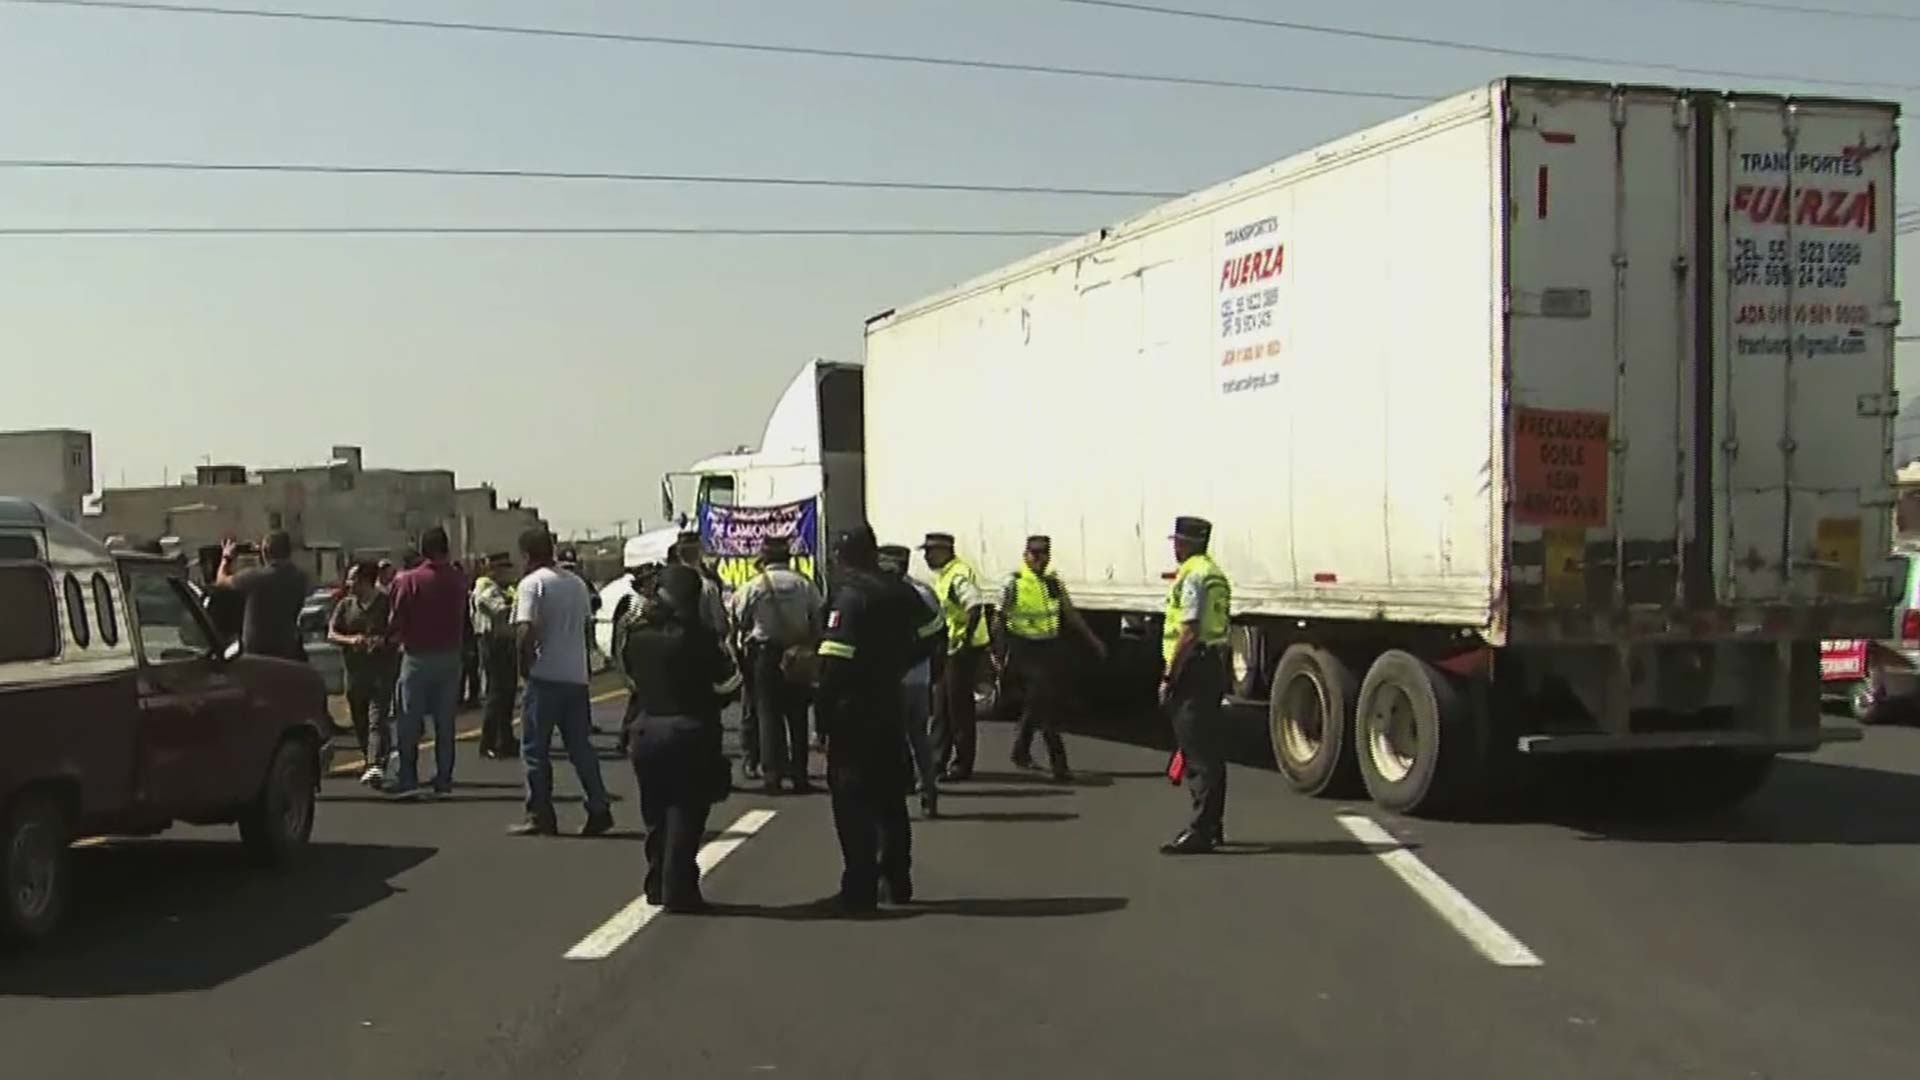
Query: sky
<point x="572" y="371"/>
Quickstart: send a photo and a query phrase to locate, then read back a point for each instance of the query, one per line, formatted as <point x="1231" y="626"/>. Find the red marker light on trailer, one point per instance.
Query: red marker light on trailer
<point x="1910" y="627"/>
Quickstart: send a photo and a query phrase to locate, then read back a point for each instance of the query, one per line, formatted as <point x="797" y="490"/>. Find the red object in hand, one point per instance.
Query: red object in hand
<point x="1176" y="768"/>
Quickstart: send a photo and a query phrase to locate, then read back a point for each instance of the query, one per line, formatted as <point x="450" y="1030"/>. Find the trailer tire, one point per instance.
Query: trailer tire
<point x="1250" y="666"/>
<point x="1310" y="721"/>
<point x="1421" y="745"/>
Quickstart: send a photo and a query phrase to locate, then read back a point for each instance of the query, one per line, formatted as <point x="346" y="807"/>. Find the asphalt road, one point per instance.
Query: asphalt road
<point x="1050" y="940"/>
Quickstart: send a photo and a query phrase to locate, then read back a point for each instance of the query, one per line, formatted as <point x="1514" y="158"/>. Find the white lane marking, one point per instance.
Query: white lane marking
<point x="627" y="922"/>
<point x="1487" y="936"/>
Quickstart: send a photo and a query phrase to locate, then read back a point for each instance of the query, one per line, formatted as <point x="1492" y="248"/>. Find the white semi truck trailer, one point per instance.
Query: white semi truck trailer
<point x="1552" y="419"/>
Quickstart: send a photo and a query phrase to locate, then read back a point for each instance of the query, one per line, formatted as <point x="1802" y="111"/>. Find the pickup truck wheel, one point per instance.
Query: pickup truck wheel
<point x="1419" y="742"/>
<point x="1310" y="720"/>
<point x="280" y="820"/>
<point x="37" y="876"/>
<point x="1860" y="701"/>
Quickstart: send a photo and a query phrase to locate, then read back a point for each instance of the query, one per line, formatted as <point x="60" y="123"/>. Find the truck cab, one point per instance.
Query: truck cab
<point x="124" y="711"/>
<point x="813" y="447"/>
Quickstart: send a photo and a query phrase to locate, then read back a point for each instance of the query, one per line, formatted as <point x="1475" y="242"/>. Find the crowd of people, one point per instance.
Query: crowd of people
<point x="886" y="665"/>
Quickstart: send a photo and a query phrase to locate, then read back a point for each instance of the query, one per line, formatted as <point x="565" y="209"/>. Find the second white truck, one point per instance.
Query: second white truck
<point x="1554" y="418"/>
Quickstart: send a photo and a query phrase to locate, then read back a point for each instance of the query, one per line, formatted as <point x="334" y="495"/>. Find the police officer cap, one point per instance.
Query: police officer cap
<point x="857" y="541"/>
<point x="679" y="588"/>
<point x="896" y="554"/>
<point x="1197" y="530"/>
<point x="937" y="539"/>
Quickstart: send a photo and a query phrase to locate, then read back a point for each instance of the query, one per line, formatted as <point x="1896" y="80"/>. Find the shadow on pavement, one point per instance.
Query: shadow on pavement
<point x="458" y="796"/>
<point x="1029" y="816"/>
<point x="1247" y="741"/>
<point x="1803" y="802"/>
<point x="1048" y="907"/>
<point x="165" y="916"/>
<point x="1035" y="792"/>
<point x="1030" y="779"/>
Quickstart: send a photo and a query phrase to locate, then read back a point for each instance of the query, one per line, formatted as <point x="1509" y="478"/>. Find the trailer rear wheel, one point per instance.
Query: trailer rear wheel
<point x="1248" y="645"/>
<point x="1310" y="720"/>
<point x="1419" y="742"/>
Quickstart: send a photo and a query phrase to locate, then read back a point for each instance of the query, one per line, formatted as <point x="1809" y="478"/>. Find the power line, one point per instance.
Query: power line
<point x="1805" y="9"/>
<point x="1477" y="47"/>
<point x="529" y="230"/>
<point x="735" y="46"/>
<point x="548" y="174"/>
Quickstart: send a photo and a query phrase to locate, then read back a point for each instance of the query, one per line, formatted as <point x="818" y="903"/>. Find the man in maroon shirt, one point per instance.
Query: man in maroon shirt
<point x="429" y="605"/>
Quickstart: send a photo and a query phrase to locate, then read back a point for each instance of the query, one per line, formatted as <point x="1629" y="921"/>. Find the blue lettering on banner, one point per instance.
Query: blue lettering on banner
<point x="731" y="536"/>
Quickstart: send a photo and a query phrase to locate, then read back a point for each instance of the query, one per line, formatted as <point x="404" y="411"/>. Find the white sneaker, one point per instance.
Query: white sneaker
<point x="373" y="777"/>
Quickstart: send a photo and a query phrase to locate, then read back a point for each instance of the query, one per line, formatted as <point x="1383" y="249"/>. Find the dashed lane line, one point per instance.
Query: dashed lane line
<point x="629" y="920"/>
<point x="1488" y="937"/>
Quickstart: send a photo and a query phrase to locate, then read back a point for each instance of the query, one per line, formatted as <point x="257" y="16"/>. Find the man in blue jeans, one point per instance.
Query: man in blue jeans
<point x="429" y="610"/>
<point x="550" y="619"/>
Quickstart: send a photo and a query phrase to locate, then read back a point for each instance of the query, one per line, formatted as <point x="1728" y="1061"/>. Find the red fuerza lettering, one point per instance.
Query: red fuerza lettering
<point x="1252" y="267"/>
<point x="1822" y="208"/>
<point x="1808" y="212"/>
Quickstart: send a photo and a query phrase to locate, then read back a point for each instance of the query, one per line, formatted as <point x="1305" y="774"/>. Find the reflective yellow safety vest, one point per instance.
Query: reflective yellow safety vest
<point x="1217" y="599"/>
<point x="1035" y="611"/>
<point x="952" y="575"/>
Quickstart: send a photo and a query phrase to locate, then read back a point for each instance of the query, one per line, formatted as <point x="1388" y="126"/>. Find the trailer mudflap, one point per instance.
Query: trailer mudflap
<point x="1600" y="742"/>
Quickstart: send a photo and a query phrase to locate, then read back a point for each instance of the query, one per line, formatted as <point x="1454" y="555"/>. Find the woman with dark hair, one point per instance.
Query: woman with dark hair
<point x="681" y="675"/>
<point x="359" y="627"/>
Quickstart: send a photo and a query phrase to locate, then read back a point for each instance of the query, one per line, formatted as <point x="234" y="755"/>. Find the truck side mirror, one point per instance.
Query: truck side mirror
<point x="666" y="499"/>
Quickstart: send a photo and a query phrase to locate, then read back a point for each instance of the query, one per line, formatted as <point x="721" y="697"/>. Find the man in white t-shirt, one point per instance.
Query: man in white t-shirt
<point x="550" y="619"/>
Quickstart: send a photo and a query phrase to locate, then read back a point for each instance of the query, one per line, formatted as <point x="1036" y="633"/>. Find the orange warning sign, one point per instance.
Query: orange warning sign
<point x="1560" y="467"/>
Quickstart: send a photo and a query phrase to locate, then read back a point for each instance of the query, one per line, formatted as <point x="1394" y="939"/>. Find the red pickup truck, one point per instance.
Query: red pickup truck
<point x="122" y="712"/>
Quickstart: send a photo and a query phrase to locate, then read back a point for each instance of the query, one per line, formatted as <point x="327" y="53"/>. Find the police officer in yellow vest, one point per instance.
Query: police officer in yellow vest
<point x="1195" y="650"/>
<point x="969" y="631"/>
<point x="1033" y="606"/>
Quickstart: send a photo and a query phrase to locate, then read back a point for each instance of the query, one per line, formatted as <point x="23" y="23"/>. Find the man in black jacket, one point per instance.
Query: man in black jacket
<point x="876" y="629"/>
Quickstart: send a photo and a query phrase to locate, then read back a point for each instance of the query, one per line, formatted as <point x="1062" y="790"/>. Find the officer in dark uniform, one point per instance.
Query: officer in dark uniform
<point x="681" y="676"/>
<point x="873" y="636"/>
